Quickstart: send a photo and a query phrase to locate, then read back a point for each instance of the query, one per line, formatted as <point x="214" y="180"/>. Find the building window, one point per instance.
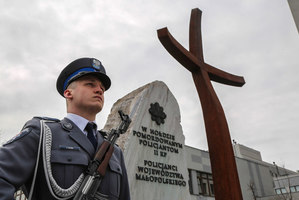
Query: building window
<point x="283" y="191"/>
<point x="277" y="191"/>
<point x="211" y="185"/>
<point x="205" y="184"/>
<point x="297" y="188"/>
<point x="292" y="189"/>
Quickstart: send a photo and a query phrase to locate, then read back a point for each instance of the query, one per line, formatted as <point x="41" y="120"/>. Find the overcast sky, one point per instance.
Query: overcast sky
<point x="256" y="39"/>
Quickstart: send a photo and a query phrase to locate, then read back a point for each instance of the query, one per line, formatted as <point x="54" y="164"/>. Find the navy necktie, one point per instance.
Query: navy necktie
<point x="90" y="134"/>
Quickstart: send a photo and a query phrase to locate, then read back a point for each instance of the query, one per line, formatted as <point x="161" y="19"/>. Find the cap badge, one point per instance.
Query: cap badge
<point x="96" y="64"/>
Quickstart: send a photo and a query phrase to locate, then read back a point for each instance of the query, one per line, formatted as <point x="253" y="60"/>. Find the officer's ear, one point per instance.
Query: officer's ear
<point x="68" y="94"/>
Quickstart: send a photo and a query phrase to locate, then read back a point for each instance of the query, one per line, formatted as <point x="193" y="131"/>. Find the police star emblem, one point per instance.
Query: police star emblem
<point x="96" y="64"/>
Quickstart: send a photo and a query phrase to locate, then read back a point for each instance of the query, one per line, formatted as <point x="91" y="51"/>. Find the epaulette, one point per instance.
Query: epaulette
<point x="47" y="118"/>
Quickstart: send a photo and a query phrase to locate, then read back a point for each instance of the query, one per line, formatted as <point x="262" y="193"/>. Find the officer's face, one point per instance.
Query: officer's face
<point x="86" y="94"/>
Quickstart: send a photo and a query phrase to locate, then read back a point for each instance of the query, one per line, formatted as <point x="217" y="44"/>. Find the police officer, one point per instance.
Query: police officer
<point x="53" y="166"/>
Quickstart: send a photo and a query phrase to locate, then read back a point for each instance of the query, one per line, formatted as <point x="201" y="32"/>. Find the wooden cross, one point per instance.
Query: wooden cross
<point x="224" y="170"/>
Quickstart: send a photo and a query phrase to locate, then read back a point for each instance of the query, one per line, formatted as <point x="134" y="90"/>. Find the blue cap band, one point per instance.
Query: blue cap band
<point x="86" y="69"/>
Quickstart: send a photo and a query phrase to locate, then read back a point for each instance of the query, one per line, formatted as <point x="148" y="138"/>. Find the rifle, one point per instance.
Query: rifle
<point x="97" y="167"/>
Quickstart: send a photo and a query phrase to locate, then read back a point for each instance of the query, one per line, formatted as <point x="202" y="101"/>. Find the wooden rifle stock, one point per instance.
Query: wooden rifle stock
<point x="103" y="155"/>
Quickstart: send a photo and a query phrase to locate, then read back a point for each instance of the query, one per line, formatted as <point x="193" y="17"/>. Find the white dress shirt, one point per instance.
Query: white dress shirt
<point x="81" y="122"/>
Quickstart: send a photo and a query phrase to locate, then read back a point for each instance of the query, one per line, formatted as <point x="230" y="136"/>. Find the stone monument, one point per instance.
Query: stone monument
<point x="153" y="145"/>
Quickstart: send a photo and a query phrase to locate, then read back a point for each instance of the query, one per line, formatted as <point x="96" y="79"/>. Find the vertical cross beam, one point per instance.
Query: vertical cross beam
<point x="224" y="170"/>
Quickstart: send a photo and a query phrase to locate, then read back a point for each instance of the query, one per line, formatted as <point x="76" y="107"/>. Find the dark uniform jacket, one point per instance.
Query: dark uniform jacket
<point x="70" y="155"/>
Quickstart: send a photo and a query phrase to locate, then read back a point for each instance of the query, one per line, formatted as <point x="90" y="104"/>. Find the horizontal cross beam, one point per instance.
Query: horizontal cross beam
<point x="193" y="64"/>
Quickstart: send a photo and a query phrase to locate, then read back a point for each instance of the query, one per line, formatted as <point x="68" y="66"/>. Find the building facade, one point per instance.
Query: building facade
<point x="258" y="179"/>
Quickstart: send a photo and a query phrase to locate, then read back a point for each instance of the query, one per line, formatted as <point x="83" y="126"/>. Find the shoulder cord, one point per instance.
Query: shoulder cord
<point x="65" y="193"/>
<point x="59" y="193"/>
